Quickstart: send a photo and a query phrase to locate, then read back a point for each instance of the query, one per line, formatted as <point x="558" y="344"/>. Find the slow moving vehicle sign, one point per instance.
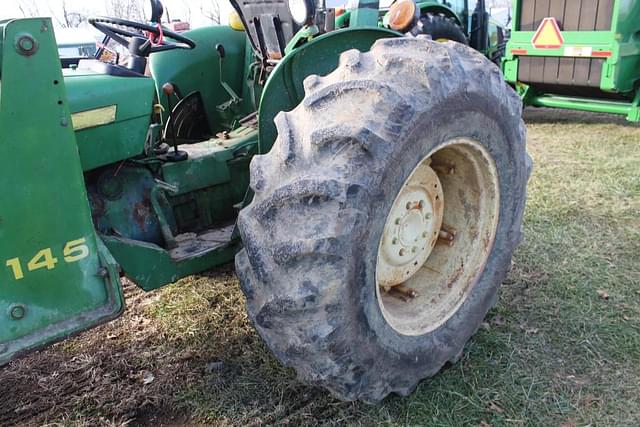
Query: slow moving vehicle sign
<point x="548" y="35"/>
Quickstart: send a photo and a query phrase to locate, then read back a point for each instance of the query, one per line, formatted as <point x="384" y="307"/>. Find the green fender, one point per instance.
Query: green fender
<point x="284" y="90"/>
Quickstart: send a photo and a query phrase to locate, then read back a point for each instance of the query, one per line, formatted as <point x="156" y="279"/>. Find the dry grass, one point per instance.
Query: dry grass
<point x="554" y="351"/>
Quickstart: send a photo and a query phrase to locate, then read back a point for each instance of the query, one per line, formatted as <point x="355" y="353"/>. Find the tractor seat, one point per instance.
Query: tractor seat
<point x="268" y="24"/>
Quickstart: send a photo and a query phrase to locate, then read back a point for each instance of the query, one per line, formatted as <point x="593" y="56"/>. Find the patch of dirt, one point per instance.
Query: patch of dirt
<point x="183" y="355"/>
<point x="99" y="377"/>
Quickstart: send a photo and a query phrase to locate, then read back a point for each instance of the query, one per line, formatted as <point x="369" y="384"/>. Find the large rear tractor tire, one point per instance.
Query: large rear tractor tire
<point x="385" y="216"/>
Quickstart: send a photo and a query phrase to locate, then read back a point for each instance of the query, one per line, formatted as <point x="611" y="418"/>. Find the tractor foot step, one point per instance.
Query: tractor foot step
<point x="192" y="244"/>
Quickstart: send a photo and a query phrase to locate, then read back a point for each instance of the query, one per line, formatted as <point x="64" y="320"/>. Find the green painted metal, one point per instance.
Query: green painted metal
<point x="620" y="48"/>
<point x="304" y="35"/>
<point x="121" y="139"/>
<point x="155" y="220"/>
<point x="365" y="13"/>
<point x="194" y="196"/>
<point x="152" y="267"/>
<point x="284" y="89"/>
<point x="458" y="11"/>
<point x="208" y="165"/>
<point x="199" y="70"/>
<point x="628" y="109"/>
<point x="56" y="278"/>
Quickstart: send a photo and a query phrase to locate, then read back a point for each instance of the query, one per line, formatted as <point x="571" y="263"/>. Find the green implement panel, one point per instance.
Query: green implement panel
<point x="577" y="55"/>
<point x="56" y="276"/>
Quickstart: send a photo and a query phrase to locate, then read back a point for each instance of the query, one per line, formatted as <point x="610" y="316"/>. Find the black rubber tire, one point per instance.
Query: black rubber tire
<point x="322" y="194"/>
<point x="440" y="27"/>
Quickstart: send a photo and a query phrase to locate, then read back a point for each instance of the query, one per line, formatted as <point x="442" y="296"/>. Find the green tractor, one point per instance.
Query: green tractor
<point x="463" y="21"/>
<point x="577" y="54"/>
<point x="369" y="185"/>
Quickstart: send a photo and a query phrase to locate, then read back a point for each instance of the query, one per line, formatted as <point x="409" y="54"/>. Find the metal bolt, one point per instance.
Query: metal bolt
<point x="26" y="45"/>
<point x="415" y="205"/>
<point x="18" y="312"/>
<point x="446" y="235"/>
<point x="398" y="220"/>
<point x="64" y="122"/>
<point x="402" y="252"/>
<point x="395" y="241"/>
<point x="427" y="216"/>
<point x="103" y="272"/>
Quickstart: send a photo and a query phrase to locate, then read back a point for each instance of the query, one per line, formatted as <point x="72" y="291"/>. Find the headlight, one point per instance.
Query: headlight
<point x="302" y="11"/>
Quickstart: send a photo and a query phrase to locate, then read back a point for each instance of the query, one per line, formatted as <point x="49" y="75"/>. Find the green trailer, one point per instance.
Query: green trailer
<point x="369" y="184"/>
<point x="576" y="54"/>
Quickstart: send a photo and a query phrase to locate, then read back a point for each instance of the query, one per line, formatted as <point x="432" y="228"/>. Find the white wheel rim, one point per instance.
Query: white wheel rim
<point x="438" y="236"/>
<point x="412" y="229"/>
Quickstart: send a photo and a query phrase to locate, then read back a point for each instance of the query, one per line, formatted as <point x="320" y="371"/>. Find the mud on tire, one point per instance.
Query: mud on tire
<point x="322" y="195"/>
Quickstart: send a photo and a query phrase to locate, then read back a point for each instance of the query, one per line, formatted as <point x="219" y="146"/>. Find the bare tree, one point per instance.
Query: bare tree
<point x="211" y="10"/>
<point x="70" y="18"/>
<point x="29" y="8"/>
<point x="187" y="10"/>
<point x="132" y="10"/>
<point x="186" y="13"/>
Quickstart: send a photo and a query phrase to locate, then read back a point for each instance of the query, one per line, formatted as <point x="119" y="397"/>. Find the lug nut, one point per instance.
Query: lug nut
<point x="445" y="235"/>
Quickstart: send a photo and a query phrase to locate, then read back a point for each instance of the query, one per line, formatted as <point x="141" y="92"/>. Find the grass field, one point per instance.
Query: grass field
<point x="561" y="348"/>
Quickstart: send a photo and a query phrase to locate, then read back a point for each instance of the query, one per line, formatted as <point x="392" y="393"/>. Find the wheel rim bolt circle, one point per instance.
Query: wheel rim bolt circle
<point x="413" y="219"/>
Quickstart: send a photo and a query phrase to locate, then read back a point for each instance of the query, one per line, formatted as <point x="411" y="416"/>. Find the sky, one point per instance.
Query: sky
<point x="178" y="9"/>
<point x="186" y="10"/>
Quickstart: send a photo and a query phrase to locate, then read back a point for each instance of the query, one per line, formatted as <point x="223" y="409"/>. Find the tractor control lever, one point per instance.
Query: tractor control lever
<point x="177" y="155"/>
<point x="221" y="54"/>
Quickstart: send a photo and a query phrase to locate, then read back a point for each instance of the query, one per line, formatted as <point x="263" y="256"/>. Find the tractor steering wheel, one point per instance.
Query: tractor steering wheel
<point x="147" y="40"/>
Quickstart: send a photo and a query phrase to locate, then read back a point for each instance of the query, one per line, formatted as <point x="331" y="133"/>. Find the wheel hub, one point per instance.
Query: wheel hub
<point x="431" y="254"/>
<point x="412" y="227"/>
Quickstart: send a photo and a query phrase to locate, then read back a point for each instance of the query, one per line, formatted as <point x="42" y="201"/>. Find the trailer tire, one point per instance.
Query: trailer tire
<point x="314" y="230"/>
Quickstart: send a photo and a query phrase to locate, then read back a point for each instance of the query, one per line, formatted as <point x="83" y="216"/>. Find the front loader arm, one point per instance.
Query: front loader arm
<point x="56" y="276"/>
